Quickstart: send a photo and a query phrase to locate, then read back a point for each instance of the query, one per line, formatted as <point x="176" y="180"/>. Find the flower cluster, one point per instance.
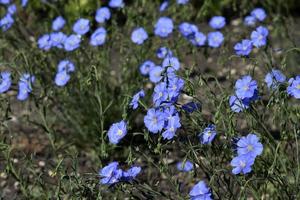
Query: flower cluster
<point x="25" y="84"/>
<point x="274" y="78"/>
<point x="164" y="117"/>
<point x="64" y="68"/>
<point x="248" y="148"/>
<point x="111" y="173"/>
<point x="246" y="91"/>
<point x="197" y="38"/>
<point x="258" y="37"/>
<point x="80" y="28"/>
<point x="258" y="14"/>
<point x="11" y="8"/>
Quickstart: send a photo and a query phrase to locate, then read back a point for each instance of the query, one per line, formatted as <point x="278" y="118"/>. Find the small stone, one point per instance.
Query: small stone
<point x="42" y="163"/>
<point x="16" y="185"/>
<point x="3" y="175"/>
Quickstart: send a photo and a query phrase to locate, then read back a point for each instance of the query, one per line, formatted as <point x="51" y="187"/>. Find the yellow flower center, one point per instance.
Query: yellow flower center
<point x="250" y="147"/>
<point x="154" y="120"/>
<point x="242" y="164"/>
<point x="246" y="88"/>
<point x="209" y="133"/>
<point x="120" y="132"/>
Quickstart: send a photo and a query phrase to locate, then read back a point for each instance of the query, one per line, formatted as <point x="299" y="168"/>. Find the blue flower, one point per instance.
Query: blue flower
<point x="81" y="26"/>
<point x="72" y="42"/>
<point x="198" y="39"/>
<point x="64" y="68"/>
<point x="117" y="131"/>
<point x="146" y="67"/>
<point x="135" y="99"/>
<point x="6" y="22"/>
<point x="57" y="39"/>
<point x="4" y="2"/>
<point x="294" y="87"/>
<point x="249" y="20"/>
<point x="131" y="173"/>
<point x="169" y="111"/>
<point x="58" y="23"/>
<point x="215" y="39"/>
<point x="62" y="78"/>
<point x="249" y="145"/>
<point x="5" y="81"/>
<point x="245" y="87"/>
<point x="209" y="133"/>
<point x="259" y="14"/>
<point x="185" y="166"/>
<point x="200" y="191"/>
<point x="238" y="105"/>
<point x="110" y="174"/>
<point x="44" y="42"/>
<point x="155" y="74"/>
<point x="242" y="164"/>
<point x="98" y="37"/>
<point x="162" y="52"/>
<point x="66" y="65"/>
<point x="172" y="62"/>
<point x="116" y="3"/>
<point x="25" y="86"/>
<point x="24" y="3"/>
<point x="164" y="6"/>
<point x="175" y="85"/>
<point x="163" y="27"/>
<point x="154" y="120"/>
<point x="12" y="9"/>
<point x="102" y="14"/>
<point x="191" y="107"/>
<point x="139" y="35"/>
<point x="187" y="29"/>
<point x="243" y="48"/>
<point x="217" y="22"/>
<point x="173" y="124"/>
<point x="274" y="78"/>
<point x="160" y="94"/>
<point x="182" y="1"/>
<point x="259" y="36"/>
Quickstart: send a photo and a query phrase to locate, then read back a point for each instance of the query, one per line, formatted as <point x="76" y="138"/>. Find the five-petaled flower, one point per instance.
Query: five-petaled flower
<point x="117" y="131"/>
